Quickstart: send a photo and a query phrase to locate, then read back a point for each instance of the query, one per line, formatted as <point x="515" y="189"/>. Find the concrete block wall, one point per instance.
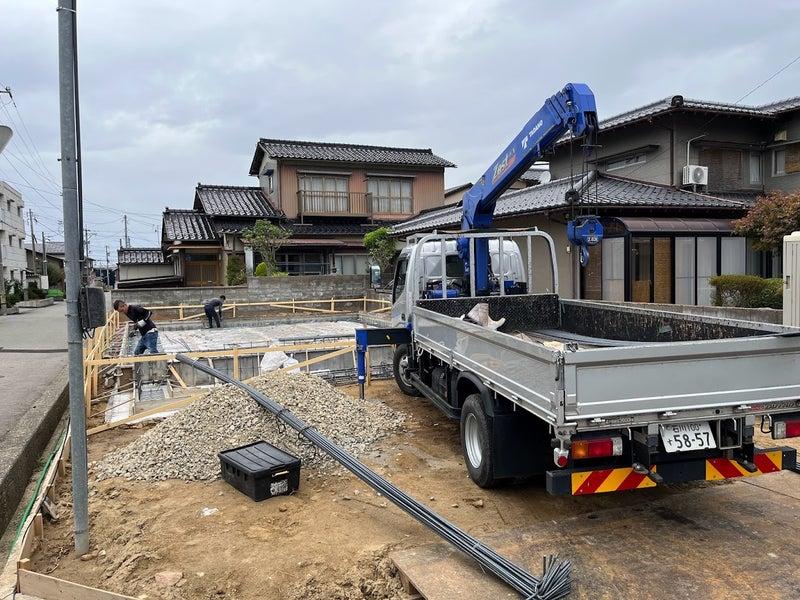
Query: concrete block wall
<point x="258" y="289"/>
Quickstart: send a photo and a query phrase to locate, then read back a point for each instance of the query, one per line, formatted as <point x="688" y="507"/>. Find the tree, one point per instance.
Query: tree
<point x="235" y="271"/>
<point x="266" y="238"/>
<point x="381" y="248"/>
<point x="773" y="216"/>
<point x="55" y="275"/>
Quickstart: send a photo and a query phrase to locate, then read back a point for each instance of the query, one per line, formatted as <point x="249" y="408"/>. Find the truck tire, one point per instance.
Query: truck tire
<point x="477" y="443"/>
<point x="401" y="376"/>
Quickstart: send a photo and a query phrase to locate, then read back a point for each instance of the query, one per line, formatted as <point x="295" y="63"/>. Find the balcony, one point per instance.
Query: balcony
<point x="351" y="204"/>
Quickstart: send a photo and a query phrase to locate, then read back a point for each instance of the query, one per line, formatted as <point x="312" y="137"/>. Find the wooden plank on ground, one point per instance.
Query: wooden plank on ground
<point x="52" y="588"/>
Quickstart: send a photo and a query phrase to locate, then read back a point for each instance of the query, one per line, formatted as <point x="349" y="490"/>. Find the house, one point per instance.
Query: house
<point x="144" y="267"/>
<point x="661" y="243"/>
<point x="331" y="194"/>
<point x="12" y="234"/>
<point x="663" y="239"/>
<point x="36" y="261"/>
<point x="748" y="150"/>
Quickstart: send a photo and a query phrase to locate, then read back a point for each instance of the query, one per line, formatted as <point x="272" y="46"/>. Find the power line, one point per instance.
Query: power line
<point x="28" y="133"/>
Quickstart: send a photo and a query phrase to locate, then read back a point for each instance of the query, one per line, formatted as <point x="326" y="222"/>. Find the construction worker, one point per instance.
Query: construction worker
<point x="213" y="310"/>
<point x="143" y="321"/>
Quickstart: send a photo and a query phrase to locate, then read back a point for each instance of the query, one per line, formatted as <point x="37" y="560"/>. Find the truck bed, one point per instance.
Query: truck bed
<point x="622" y="366"/>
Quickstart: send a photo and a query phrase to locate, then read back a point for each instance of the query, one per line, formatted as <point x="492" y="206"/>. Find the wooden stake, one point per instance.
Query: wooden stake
<point x="236" y="362"/>
<point x="177" y="376"/>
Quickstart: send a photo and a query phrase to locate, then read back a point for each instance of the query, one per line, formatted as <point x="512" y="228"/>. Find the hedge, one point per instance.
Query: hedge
<point x="747" y="291"/>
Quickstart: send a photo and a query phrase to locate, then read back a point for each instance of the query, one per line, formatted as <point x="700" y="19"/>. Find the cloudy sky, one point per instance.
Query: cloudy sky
<point x="178" y="92"/>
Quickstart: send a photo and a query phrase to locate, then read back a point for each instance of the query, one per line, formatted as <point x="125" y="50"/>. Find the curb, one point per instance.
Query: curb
<point x="23" y="446"/>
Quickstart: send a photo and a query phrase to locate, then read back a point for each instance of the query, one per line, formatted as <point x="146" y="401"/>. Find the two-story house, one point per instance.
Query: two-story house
<point x="326" y="195"/>
<point x="332" y="194"/>
<point x="664" y="240"/>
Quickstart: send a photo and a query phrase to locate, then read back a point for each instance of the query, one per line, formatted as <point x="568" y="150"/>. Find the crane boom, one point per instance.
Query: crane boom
<point x="572" y="109"/>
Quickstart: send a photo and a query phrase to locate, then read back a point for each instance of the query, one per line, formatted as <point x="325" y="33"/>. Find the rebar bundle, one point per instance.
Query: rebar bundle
<point x="555" y="581"/>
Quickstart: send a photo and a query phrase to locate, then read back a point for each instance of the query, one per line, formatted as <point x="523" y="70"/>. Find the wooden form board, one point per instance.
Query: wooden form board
<point x="51" y="588"/>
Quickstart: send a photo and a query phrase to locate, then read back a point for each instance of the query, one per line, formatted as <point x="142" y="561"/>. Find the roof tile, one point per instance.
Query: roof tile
<point x="188" y="225"/>
<point x="235" y="201"/>
<point x="140" y="256"/>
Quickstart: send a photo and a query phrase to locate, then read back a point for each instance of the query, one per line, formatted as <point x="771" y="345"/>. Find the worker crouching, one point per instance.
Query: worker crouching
<point x="143" y="321"/>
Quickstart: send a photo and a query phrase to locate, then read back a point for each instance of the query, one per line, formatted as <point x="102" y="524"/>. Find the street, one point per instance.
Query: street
<point x="40" y="336"/>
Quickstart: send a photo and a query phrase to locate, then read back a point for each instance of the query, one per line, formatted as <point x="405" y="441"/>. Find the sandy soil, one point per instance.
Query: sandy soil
<point x="330" y="540"/>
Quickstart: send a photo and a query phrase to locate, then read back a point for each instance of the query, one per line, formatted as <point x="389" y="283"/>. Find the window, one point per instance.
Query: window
<point x="755" y="167"/>
<point x="633" y="159"/>
<point x="613" y="253"/>
<point x="8" y="204"/>
<point x="399" y="278"/>
<point x="20" y="242"/>
<point x="706" y="268"/>
<point x="324" y="194"/>
<point x="391" y="195"/>
<point x="779" y="161"/>
<point x="11" y="240"/>
<point x="351" y="264"/>
<point x="786" y="159"/>
<point x="641" y="269"/>
<point x="684" y="270"/>
<point x="297" y="263"/>
<point x="734" y="256"/>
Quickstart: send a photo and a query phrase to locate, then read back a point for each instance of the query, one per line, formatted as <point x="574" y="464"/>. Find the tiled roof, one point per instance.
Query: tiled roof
<point x="140" y="256"/>
<point x="535" y="176"/>
<point x="223" y="225"/>
<point x="51" y="247"/>
<point x="333" y="229"/>
<point x="234" y="201"/>
<point x="188" y="225"/>
<point x="458" y="188"/>
<point x="609" y="191"/>
<point x="345" y="153"/>
<point x="764" y="111"/>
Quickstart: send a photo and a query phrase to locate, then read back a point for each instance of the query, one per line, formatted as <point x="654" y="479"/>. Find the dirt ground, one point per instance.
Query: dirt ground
<point x="331" y="539"/>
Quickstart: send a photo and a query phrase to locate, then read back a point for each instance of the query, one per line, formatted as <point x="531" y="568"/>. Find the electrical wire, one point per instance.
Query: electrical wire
<point x="555" y="581"/>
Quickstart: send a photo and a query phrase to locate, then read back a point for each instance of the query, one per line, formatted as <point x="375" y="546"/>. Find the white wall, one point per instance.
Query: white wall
<point x="12" y="223"/>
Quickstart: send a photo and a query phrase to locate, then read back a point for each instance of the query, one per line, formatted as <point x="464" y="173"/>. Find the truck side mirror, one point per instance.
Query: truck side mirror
<point x="375" y="276"/>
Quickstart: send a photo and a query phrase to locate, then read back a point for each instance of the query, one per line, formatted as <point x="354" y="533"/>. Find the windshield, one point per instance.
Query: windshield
<point x="399" y="278"/>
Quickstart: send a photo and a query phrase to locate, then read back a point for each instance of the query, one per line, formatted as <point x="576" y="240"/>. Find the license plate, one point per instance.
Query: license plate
<point x="683" y="437"/>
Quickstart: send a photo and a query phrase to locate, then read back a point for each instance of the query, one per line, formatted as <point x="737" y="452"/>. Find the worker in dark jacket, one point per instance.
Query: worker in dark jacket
<point x="213" y="309"/>
<point x="143" y="321"/>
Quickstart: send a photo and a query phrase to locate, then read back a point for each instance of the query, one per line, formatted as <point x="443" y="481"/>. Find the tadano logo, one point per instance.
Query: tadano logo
<point x="536" y="128"/>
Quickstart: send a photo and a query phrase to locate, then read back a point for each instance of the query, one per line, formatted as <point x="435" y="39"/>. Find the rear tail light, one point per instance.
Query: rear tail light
<point x="785" y="429"/>
<point x="596" y="448"/>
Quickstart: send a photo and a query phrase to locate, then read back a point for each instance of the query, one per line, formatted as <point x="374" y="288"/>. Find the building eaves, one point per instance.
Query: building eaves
<point x="345" y="153"/>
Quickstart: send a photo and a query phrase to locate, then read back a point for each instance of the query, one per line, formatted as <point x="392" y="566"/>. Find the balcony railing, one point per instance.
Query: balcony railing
<point x="355" y="204"/>
<point x="333" y="203"/>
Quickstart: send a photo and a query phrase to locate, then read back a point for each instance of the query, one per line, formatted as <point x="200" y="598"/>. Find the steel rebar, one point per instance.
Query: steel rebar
<point x="555" y="581"/>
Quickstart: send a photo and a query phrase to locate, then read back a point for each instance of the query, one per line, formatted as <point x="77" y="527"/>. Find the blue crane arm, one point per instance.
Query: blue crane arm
<point x="572" y="109"/>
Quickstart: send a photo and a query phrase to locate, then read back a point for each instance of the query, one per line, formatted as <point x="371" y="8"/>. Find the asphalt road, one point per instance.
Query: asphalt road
<point x="25" y="375"/>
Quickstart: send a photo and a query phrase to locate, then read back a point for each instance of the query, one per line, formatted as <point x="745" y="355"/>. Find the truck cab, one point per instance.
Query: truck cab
<point x="427" y="273"/>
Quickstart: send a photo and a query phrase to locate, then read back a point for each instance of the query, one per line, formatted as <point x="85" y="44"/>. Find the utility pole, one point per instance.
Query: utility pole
<point x="44" y="255"/>
<point x="67" y="80"/>
<point x="127" y="239"/>
<point x="108" y="278"/>
<point x="33" y="242"/>
<point x="86" y="253"/>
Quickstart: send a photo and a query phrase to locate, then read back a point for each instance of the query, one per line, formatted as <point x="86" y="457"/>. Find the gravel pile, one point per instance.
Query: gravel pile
<point x="185" y="445"/>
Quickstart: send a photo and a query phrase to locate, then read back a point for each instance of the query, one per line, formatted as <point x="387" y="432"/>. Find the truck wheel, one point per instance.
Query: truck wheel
<point x="401" y="374"/>
<point x="477" y="442"/>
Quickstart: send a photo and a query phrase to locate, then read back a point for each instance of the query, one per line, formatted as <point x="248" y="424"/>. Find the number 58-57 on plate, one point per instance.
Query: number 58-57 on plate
<point x="683" y="437"/>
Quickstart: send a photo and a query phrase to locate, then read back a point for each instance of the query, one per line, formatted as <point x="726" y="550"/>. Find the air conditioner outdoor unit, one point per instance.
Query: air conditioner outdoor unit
<point x="695" y="175"/>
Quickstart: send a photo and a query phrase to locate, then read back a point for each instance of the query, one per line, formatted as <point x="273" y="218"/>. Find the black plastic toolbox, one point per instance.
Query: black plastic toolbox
<point x="260" y="470"/>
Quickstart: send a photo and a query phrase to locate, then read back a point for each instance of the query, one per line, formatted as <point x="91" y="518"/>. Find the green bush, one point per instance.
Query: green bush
<point x="235" y="271"/>
<point x="13" y="292"/>
<point x="747" y="291"/>
<point x="55" y="293"/>
<point x="34" y="292"/>
<point x="261" y="269"/>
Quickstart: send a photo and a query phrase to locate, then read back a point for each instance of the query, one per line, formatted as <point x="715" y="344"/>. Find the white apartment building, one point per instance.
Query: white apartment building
<point x="12" y="234"/>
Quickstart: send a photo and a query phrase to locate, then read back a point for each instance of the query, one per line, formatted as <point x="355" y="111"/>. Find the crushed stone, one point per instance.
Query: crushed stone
<point x="185" y="445"/>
